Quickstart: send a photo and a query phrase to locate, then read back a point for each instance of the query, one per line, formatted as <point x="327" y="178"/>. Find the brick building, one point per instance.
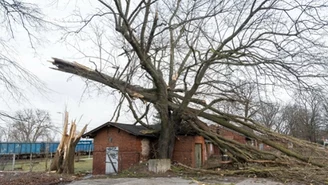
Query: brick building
<point x="190" y="150"/>
<point x="233" y="135"/>
<point x="120" y="146"/>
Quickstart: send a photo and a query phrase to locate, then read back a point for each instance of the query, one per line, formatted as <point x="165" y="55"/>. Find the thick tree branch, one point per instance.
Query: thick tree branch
<point x="122" y="86"/>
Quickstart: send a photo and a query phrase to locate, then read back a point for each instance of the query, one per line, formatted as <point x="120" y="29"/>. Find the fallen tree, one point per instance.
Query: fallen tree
<point x="238" y="152"/>
<point x="309" y="175"/>
<point x="185" y="60"/>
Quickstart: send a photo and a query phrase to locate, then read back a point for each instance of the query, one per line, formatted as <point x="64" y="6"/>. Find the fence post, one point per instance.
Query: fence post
<point x="89" y="151"/>
<point x="50" y="161"/>
<point x="13" y="167"/>
<point x="46" y="156"/>
<point x="31" y="165"/>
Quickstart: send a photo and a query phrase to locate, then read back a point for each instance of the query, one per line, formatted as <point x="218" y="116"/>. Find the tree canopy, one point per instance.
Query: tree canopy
<point x="186" y="59"/>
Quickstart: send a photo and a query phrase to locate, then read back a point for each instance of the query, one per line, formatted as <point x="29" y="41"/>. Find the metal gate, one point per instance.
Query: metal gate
<point x="111" y="160"/>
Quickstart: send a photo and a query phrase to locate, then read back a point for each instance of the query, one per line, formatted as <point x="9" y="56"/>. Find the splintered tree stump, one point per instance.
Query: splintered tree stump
<point x="63" y="161"/>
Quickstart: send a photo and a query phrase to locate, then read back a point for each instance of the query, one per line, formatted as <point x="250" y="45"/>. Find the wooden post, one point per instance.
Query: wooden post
<point x="13" y="166"/>
<point x="31" y="161"/>
<point x="89" y="151"/>
<point x="46" y="156"/>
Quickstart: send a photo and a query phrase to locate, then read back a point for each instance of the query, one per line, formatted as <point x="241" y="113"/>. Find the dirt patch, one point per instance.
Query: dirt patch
<point x="141" y="171"/>
<point x="284" y="175"/>
<point x="30" y="178"/>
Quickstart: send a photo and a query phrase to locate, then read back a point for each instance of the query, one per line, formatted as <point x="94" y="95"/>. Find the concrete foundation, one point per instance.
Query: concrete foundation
<point x="159" y="165"/>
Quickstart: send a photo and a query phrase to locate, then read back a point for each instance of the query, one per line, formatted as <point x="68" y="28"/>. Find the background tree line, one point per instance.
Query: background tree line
<point x="303" y="116"/>
<point x="28" y="125"/>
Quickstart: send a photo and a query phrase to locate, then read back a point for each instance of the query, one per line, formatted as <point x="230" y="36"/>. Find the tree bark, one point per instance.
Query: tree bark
<point x="167" y="132"/>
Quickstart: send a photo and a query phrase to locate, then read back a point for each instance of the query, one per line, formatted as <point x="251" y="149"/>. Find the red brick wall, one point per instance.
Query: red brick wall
<point x="232" y="135"/>
<point x="216" y="150"/>
<point x="184" y="150"/>
<point x="129" y="147"/>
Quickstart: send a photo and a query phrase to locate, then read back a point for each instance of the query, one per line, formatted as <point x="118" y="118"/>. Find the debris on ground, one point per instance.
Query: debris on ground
<point x="33" y="178"/>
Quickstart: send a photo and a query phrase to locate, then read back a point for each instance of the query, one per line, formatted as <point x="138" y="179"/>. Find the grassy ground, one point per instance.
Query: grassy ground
<point x="84" y="165"/>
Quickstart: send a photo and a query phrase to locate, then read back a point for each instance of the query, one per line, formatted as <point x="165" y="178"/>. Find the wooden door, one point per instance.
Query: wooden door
<point x="198" y="155"/>
<point x="111" y="160"/>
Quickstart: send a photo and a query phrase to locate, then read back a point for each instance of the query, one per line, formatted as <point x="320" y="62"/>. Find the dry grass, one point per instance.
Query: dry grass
<point x="84" y="165"/>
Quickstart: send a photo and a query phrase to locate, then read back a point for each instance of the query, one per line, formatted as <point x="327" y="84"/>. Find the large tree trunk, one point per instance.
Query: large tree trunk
<point x="167" y="133"/>
<point x="63" y="161"/>
<point x="68" y="163"/>
<point x="165" y="142"/>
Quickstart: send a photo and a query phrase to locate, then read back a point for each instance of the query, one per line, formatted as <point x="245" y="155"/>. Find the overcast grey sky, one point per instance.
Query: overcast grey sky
<point x="64" y="90"/>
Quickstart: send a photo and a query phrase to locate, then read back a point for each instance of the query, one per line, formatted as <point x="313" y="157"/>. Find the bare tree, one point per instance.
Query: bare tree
<point x="305" y="117"/>
<point x="31" y="125"/>
<point x="270" y="115"/>
<point x="244" y="100"/>
<point x="313" y="102"/>
<point x="2" y="133"/>
<point x="17" y="16"/>
<point x="324" y="128"/>
<point x="185" y="57"/>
